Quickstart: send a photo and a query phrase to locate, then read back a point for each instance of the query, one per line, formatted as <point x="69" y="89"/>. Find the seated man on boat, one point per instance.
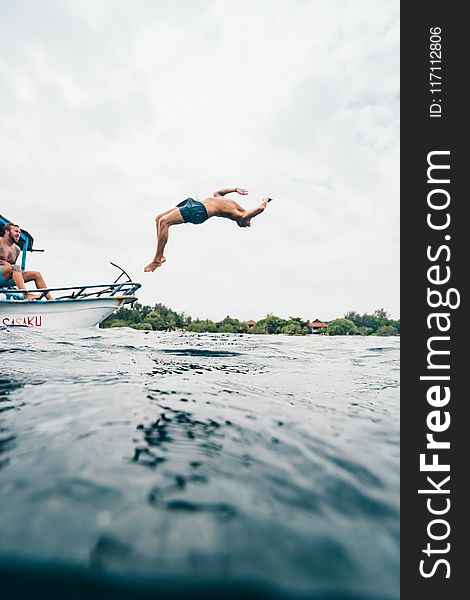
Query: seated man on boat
<point x="10" y="273"/>
<point x="196" y="212"/>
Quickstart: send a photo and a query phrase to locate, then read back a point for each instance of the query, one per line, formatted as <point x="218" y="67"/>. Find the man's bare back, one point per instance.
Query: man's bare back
<point x="223" y="207"/>
<point x="194" y="211"/>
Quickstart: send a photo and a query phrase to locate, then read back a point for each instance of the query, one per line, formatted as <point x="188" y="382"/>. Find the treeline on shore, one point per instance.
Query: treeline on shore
<point x="162" y="318"/>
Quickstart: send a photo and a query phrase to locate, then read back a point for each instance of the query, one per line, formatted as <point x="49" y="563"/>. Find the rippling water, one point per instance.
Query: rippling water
<point x="270" y="460"/>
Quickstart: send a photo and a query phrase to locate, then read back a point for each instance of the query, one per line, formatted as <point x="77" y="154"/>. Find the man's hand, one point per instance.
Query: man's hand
<point x="241" y="191"/>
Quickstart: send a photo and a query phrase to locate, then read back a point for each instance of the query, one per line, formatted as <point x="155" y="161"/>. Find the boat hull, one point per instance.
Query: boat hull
<point x="57" y="314"/>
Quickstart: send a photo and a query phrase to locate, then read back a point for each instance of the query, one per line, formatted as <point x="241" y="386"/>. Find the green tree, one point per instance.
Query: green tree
<point x="365" y="330"/>
<point x="157" y="320"/>
<point x="144" y="326"/>
<point x="372" y="322"/>
<point x="386" y="330"/>
<point x="243" y="327"/>
<point x="341" y="327"/>
<point x="295" y="326"/>
<point x="135" y="313"/>
<point x="395" y="325"/>
<point x="381" y="314"/>
<point x="163" y="317"/>
<point x="119" y="323"/>
<point x="229" y="325"/>
<point x="355" y="317"/>
<point x="205" y="326"/>
<point x="125" y="316"/>
<point x="270" y="324"/>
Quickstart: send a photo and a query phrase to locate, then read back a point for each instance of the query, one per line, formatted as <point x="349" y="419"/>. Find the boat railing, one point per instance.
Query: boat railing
<point x="123" y="291"/>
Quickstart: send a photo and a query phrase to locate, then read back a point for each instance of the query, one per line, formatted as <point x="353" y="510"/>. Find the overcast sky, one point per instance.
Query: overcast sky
<point x="112" y="111"/>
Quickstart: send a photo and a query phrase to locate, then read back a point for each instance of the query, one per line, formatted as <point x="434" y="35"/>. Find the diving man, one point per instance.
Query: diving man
<point x="194" y="211"/>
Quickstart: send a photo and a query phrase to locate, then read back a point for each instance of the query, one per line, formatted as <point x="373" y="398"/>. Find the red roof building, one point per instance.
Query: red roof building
<point x="316" y="326"/>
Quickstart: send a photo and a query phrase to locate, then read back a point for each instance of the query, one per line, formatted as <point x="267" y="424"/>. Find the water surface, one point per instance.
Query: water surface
<point x="270" y="460"/>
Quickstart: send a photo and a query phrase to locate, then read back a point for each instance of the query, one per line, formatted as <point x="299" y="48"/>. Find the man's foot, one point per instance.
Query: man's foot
<point x="31" y="296"/>
<point x="267" y="200"/>
<point x="154" y="264"/>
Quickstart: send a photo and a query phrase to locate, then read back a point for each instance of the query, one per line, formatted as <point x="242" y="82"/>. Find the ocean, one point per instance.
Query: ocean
<point x="177" y="464"/>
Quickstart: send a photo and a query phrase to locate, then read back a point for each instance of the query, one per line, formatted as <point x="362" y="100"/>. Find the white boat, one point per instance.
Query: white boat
<point x="72" y="308"/>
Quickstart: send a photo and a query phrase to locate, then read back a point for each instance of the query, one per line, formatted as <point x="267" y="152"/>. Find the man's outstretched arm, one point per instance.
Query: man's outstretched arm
<point x="224" y="191"/>
<point x="253" y="212"/>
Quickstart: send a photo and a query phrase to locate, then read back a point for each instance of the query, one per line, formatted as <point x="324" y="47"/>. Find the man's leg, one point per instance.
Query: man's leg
<point x="5" y="274"/>
<point x="17" y="277"/>
<point x="172" y="217"/>
<point x="38" y="280"/>
<point x="158" y="217"/>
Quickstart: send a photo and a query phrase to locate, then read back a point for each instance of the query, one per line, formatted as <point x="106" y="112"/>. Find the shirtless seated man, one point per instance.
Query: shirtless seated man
<point x="11" y="274"/>
<point x="193" y="211"/>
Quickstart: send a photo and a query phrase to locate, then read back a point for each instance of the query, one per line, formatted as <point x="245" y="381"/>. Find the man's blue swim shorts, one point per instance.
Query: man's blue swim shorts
<point x="193" y="211"/>
<point x="5" y="283"/>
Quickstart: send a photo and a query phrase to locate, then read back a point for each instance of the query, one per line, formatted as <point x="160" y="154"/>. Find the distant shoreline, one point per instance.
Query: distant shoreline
<point x="161" y="318"/>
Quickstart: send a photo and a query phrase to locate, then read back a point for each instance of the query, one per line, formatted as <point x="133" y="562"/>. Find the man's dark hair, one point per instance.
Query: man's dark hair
<point x="7" y="227"/>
